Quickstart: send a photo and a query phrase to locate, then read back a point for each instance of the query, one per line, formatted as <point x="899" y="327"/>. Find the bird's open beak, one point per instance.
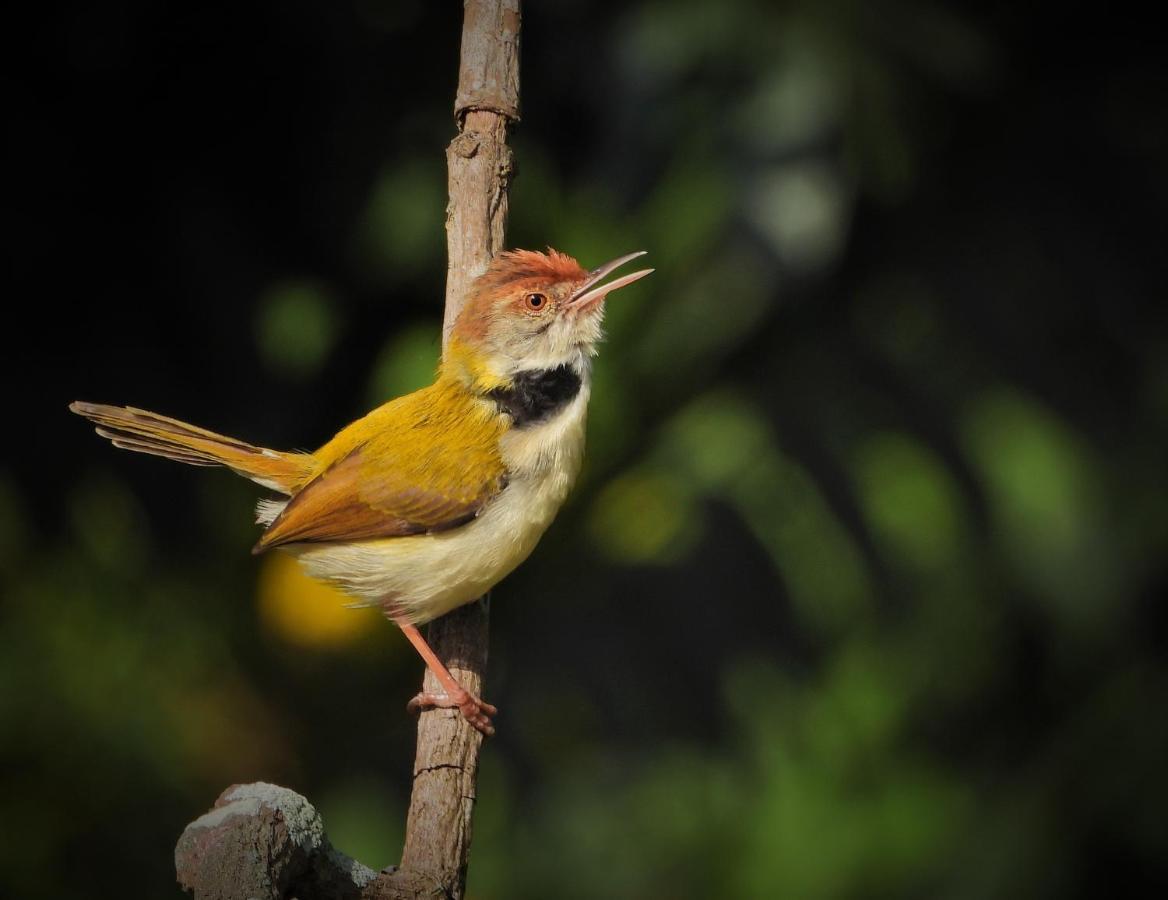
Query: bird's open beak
<point x="592" y="292"/>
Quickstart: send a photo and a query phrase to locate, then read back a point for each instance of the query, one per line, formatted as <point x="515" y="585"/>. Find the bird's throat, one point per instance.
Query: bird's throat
<point x="537" y="395"/>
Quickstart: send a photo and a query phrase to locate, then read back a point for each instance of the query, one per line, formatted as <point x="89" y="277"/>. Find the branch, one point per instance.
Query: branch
<point x="438" y="828"/>
<point x="478" y="160"/>
<point x="264" y="841"/>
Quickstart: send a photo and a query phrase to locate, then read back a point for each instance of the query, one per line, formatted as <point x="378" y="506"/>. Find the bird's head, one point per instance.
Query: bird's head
<point x="533" y="310"/>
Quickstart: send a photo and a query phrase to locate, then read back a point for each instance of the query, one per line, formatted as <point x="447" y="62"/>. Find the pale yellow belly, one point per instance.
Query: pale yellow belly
<point x="426" y="576"/>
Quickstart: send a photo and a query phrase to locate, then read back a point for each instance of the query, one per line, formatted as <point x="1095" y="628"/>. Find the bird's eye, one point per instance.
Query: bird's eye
<point x="535" y="302"/>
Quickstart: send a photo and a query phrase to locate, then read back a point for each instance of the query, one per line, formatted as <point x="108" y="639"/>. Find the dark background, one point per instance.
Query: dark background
<point x="861" y="593"/>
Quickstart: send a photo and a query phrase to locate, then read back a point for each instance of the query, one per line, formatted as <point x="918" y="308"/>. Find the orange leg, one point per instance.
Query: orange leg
<point x="476" y="711"/>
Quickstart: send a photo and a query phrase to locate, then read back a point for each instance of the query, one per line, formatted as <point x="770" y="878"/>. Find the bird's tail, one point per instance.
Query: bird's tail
<point x="147" y="432"/>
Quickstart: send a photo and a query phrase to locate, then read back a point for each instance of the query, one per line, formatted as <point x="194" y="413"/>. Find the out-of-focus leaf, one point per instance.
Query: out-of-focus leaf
<point x="803" y="209"/>
<point x="1044" y="489"/>
<point x="401" y="229"/>
<point x="296" y="327"/>
<point x="644" y="518"/>
<point x="910" y="500"/>
<point x="409" y="361"/>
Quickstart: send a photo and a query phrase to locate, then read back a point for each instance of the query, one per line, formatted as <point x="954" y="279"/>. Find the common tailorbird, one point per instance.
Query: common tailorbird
<point x="431" y="499"/>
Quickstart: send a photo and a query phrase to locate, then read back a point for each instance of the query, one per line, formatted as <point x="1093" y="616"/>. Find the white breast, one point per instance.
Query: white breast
<point x="427" y="575"/>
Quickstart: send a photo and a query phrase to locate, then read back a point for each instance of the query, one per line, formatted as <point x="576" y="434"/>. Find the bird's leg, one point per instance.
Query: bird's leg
<point x="476" y="711"/>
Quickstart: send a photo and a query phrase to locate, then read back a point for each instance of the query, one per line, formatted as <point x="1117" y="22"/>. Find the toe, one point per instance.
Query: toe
<point x="483" y="724"/>
<point x="479" y="715"/>
<point x="422" y="701"/>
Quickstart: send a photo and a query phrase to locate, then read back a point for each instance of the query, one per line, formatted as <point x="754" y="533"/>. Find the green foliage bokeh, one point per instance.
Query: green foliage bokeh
<point x="859" y="593"/>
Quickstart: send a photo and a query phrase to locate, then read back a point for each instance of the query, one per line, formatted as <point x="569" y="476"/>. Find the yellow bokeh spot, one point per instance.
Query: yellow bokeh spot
<point x="307" y="612"/>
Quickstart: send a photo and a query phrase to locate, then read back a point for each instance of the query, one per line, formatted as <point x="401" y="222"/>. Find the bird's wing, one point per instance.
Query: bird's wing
<point x="412" y="470"/>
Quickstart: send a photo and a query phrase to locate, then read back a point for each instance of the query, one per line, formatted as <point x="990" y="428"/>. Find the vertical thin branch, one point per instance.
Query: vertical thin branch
<point x="438" y="827"/>
<point x="478" y="160"/>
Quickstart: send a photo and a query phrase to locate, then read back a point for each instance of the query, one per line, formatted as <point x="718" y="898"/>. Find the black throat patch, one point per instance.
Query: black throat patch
<point x="537" y="394"/>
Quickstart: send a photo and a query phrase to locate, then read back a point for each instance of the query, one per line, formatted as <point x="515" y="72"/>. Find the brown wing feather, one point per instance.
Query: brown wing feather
<point x="350" y="503"/>
<point x="428" y="461"/>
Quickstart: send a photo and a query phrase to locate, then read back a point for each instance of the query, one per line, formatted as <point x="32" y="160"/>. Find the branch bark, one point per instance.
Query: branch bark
<point x="265" y="841"/>
<point x="478" y="160"/>
<point x="479" y="168"/>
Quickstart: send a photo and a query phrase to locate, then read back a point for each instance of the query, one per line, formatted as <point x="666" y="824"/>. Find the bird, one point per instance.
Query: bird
<point x="427" y="502"/>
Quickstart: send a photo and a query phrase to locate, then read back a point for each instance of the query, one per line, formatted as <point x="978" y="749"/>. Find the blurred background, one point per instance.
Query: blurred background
<point x="862" y="591"/>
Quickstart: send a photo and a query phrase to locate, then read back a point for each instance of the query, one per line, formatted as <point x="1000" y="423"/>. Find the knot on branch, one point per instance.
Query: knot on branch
<point x="466" y="144"/>
<point x="507" y="167"/>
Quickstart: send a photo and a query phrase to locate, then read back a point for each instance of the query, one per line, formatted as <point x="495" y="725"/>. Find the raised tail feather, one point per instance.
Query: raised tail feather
<point x="147" y="432"/>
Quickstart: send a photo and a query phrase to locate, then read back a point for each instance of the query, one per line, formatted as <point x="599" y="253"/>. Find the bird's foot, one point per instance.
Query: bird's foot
<point x="477" y="712"/>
